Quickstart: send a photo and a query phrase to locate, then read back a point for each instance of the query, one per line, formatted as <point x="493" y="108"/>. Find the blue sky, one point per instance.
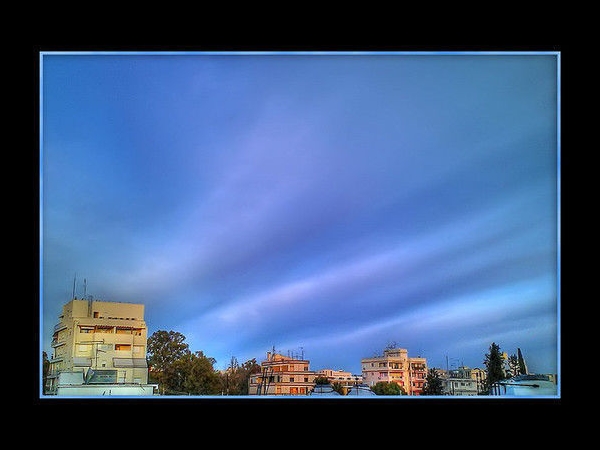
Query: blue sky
<point x="324" y="204"/>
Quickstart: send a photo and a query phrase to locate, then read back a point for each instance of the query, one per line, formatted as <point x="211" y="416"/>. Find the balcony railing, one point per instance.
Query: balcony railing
<point x="59" y="326"/>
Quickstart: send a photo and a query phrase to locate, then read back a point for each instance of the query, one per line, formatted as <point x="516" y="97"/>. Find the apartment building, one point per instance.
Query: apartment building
<point x="396" y="366"/>
<point x="346" y="379"/>
<point x="282" y="375"/>
<point x="479" y="376"/>
<point x="340" y="376"/>
<point x="99" y="342"/>
<point x="461" y="382"/>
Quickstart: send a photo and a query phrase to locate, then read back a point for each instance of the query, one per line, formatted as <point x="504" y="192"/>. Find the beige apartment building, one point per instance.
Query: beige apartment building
<point x="479" y="376"/>
<point x="340" y="376"/>
<point x="99" y="343"/>
<point x="347" y="380"/>
<point x="281" y="375"/>
<point x="397" y="367"/>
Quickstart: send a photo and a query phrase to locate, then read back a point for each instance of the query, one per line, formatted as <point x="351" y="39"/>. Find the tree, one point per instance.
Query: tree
<point x="433" y="383"/>
<point x="522" y="366"/>
<point x="249" y="368"/>
<point x="229" y="377"/>
<point x="513" y="365"/>
<point x="45" y="370"/>
<point x="234" y="381"/>
<point x="338" y="387"/>
<point x="165" y="348"/>
<point x="321" y="379"/>
<point x="200" y="375"/>
<point x="388" y="388"/>
<point x="494" y="364"/>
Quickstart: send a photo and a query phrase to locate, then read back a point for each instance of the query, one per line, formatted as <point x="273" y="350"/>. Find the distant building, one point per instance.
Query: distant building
<point x="460" y="382"/>
<point x="97" y="344"/>
<point x="480" y="377"/>
<point x="281" y="375"/>
<point x="396" y="366"/>
<point x="346" y="379"/>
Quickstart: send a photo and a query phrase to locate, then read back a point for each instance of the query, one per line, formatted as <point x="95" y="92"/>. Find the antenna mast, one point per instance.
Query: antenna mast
<point x="74" y="278"/>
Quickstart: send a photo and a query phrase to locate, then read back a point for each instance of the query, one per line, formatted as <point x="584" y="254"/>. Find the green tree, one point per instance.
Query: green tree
<point x="229" y="378"/>
<point x="522" y="366"/>
<point x="321" y="380"/>
<point x="248" y="368"/>
<point x="433" y="383"/>
<point x="388" y="388"/>
<point x="494" y="364"/>
<point x="166" y="350"/>
<point x="45" y="370"/>
<point x="200" y="376"/>
<point x="174" y="375"/>
<point x="513" y="365"/>
<point x="234" y="380"/>
<point x="338" y="387"/>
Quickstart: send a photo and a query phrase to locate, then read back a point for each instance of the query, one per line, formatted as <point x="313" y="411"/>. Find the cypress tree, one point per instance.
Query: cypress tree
<point x="522" y="366"/>
<point x="494" y="364"/>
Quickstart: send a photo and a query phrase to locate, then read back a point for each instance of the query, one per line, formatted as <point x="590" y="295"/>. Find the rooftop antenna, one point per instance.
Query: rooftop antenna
<point x="74" y="278"/>
<point x="85" y="288"/>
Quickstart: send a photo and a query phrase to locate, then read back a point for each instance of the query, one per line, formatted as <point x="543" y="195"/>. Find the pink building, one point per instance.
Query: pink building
<point x="395" y="366"/>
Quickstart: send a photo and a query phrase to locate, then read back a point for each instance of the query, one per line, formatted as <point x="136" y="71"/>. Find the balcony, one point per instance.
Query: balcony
<point x="56" y="343"/>
<point x="59" y="326"/>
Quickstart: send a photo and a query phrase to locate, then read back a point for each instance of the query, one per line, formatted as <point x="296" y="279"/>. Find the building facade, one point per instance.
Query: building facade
<point x="480" y="377"/>
<point x="281" y="375"/>
<point x="397" y="367"/>
<point x="461" y="382"/>
<point x="347" y="380"/>
<point x="101" y="343"/>
<point x="340" y="376"/>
